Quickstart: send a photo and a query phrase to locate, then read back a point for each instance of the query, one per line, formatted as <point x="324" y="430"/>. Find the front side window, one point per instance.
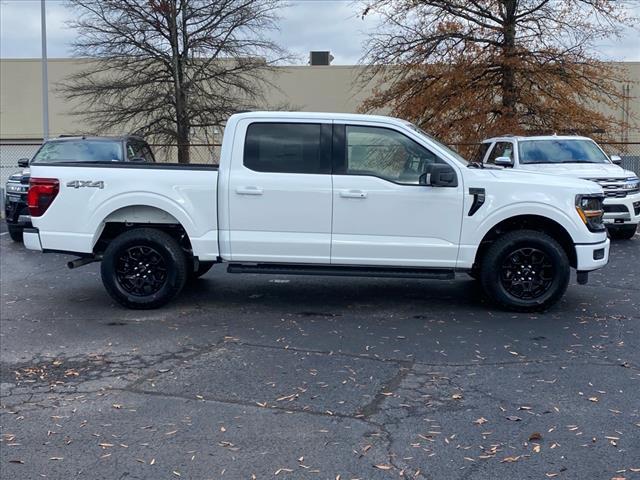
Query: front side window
<point x="560" y="151"/>
<point x="387" y="154"/>
<point x="284" y="148"/>
<point x="501" y="149"/>
<point x="79" y="151"/>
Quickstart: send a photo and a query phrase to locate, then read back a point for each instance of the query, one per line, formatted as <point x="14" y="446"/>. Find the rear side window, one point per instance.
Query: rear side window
<point x="285" y="148"/>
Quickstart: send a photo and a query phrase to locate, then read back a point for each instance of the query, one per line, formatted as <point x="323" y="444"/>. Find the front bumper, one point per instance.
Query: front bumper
<point x="592" y="256"/>
<point x="31" y="239"/>
<point x="622" y="211"/>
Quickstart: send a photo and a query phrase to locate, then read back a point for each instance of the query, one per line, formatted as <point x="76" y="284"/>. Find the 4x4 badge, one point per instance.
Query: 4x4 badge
<point x="85" y="183"/>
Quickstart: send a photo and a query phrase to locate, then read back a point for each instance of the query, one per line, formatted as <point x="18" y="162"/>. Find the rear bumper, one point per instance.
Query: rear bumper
<point x="31" y="239"/>
<point x="592" y="256"/>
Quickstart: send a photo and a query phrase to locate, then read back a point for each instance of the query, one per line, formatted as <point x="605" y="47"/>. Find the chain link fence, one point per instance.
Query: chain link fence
<point x="209" y="153"/>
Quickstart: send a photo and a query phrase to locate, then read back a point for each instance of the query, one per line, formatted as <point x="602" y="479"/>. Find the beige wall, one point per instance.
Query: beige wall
<point x="328" y="88"/>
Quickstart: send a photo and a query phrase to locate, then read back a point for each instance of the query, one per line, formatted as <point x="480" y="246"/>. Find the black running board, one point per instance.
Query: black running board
<point x="342" y="271"/>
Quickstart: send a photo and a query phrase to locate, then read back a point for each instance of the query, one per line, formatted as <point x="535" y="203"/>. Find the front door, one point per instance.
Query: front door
<point x="382" y="215"/>
<point x="280" y="193"/>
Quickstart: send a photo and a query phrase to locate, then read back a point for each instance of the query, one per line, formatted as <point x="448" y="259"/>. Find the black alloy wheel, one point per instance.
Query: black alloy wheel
<point x="527" y="273"/>
<point x="141" y="270"/>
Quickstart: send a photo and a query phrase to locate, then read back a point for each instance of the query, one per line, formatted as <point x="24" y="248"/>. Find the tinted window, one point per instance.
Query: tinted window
<point x="501" y="149"/>
<point x="284" y="148"/>
<point x="387" y="154"/>
<point x="561" y="151"/>
<point x="79" y="151"/>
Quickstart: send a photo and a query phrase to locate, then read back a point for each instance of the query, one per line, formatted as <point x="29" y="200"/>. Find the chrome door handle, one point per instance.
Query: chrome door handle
<point x="353" y="194"/>
<point x="249" y="190"/>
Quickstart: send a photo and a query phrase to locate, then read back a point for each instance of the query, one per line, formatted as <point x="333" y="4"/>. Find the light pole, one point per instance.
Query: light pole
<point x="45" y="79"/>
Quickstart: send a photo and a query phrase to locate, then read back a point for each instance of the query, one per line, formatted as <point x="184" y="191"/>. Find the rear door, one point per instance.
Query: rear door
<point x="382" y="215"/>
<point x="280" y="192"/>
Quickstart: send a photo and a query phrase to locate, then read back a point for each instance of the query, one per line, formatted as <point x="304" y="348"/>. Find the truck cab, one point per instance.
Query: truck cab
<point x="575" y="157"/>
<point x="320" y="194"/>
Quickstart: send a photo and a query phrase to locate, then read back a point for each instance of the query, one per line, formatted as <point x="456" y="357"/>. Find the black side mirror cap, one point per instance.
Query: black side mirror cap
<point x="23" y="162"/>
<point x="439" y="175"/>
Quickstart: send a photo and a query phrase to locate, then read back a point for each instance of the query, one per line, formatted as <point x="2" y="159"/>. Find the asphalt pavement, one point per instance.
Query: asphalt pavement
<point x="257" y="376"/>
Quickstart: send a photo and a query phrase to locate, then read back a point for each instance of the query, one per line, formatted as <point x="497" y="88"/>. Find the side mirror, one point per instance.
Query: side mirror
<point x="504" y="162"/>
<point x="616" y="160"/>
<point x="439" y="175"/>
<point x="23" y="162"/>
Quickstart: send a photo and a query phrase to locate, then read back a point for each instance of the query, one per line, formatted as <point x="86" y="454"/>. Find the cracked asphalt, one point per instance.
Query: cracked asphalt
<point x="251" y="376"/>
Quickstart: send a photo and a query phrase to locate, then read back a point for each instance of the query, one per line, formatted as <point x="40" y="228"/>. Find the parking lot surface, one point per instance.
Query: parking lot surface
<point x="249" y="376"/>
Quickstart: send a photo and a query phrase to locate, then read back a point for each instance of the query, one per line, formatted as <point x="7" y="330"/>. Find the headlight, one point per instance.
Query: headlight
<point x="15" y="188"/>
<point x="589" y="207"/>
<point x="632" y="183"/>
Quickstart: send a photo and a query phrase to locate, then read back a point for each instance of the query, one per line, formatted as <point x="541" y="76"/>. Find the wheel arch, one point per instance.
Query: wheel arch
<point x="529" y="222"/>
<point x="137" y="216"/>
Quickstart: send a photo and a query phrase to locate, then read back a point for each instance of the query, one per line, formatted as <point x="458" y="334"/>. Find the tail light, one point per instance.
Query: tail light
<point x="42" y="192"/>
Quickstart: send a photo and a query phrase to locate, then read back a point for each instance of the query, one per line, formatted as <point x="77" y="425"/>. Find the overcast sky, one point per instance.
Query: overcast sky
<point x="334" y="25"/>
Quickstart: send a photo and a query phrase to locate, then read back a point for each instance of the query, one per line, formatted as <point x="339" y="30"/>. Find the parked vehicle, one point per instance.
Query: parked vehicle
<point x="577" y="157"/>
<point x="129" y="148"/>
<point x="15" y="205"/>
<point x="320" y="194"/>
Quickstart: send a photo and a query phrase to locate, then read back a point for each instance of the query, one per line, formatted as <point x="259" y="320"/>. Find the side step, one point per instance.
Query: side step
<point x="342" y="271"/>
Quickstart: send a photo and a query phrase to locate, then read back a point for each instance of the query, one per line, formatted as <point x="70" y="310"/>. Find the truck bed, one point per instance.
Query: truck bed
<point x="93" y="194"/>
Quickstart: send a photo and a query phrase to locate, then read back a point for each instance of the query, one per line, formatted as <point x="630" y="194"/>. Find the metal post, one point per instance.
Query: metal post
<point x="45" y="79"/>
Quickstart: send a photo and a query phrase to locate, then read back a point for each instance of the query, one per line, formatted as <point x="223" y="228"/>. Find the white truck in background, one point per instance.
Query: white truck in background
<point x="575" y="157"/>
<point x="320" y="194"/>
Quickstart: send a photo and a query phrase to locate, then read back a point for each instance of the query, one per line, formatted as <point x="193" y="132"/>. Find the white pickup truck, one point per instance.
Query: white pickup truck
<point x="577" y="157"/>
<point x="320" y="194"/>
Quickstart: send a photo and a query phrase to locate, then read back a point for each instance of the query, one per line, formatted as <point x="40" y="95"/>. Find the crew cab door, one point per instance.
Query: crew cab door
<point x="381" y="213"/>
<point x="279" y="192"/>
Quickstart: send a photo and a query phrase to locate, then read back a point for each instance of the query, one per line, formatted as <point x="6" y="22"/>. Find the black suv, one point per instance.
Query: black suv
<point x="127" y="148"/>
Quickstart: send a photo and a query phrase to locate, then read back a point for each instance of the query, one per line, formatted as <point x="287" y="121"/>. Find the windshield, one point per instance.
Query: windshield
<point x="560" y="151"/>
<point x="79" y="151"/>
<point x="449" y="150"/>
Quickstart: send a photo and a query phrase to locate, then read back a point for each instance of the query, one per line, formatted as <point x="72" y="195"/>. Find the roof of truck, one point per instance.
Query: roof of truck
<point x="354" y="117"/>
<point x="535" y="137"/>
<point x="63" y="138"/>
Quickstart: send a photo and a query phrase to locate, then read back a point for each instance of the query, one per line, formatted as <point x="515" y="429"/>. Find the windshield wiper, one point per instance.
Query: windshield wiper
<point x="579" y="161"/>
<point x="537" y="163"/>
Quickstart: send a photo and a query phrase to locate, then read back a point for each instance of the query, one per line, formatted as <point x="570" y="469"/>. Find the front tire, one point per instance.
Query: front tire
<point x="625" y="232"/>
<point x="144" y="268"/>
<point x="525" y="271"/>
<point x="15" y="233"/>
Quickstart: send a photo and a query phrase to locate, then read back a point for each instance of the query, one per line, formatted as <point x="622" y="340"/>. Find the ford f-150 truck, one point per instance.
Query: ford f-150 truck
<point x="577" y="157"/>
<point x="321" y="194"/>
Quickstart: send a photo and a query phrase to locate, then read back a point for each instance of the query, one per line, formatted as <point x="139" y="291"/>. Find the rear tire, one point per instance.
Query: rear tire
<point x="525" y="271"/>
<point x="625" y="232"/>
<point x="144" y="268"/>
<point x="15" y="233"/>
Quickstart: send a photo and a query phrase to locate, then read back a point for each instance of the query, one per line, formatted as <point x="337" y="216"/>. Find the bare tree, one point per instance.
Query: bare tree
<point x="169" y="68"/>
<point x="466" y="69"/>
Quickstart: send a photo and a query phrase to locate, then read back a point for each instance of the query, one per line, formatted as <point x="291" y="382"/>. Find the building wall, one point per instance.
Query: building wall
<point x="317" y="88"/>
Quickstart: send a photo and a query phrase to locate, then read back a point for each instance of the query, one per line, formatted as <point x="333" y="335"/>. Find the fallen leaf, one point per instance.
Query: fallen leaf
<point x="514" y="418"/>
<point x="480" y="421"/>
<point x="535" y="436"/>
<point x="383" y="467"/>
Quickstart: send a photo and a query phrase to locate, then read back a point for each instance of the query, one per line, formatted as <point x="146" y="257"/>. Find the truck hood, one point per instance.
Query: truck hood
<point x="579" y="170"/>
<point x="532" y="180"/>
